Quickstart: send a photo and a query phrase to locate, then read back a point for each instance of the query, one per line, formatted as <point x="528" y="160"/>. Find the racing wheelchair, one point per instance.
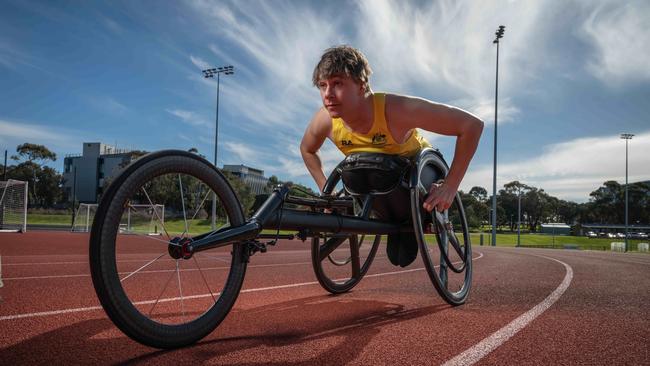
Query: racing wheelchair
<point x="190" y="275"/>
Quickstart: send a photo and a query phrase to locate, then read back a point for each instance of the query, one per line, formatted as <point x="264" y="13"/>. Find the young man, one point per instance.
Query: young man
<point x="357" y="120"/>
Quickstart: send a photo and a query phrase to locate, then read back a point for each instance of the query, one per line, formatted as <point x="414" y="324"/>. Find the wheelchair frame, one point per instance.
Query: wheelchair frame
<point x="340" y="225"/>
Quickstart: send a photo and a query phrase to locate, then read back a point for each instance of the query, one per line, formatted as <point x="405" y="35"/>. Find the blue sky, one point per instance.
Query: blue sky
<point x="573" y="76"/>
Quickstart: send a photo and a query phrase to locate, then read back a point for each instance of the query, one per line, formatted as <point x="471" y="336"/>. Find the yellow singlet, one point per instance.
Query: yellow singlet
<point x="378" y="139"/>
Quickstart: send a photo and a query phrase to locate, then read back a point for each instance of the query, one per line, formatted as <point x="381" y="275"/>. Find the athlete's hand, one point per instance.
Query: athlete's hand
<point x="440" y="197"/>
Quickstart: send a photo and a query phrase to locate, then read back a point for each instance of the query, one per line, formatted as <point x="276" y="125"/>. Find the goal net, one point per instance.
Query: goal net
<point x="13" y="205"/>
<point x="137" y="218"/>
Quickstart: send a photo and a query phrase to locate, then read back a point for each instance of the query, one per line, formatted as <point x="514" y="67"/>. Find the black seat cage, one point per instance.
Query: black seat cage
<point x="272" y="214"/>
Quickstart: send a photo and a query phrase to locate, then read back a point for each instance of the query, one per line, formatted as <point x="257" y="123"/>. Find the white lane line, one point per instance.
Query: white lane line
<point x="157" y="271"/>
<point x="224" y="257"/>
<point x="267" y="254"/>
<point x="489" y="344"/>
<point x="91" y="308"/>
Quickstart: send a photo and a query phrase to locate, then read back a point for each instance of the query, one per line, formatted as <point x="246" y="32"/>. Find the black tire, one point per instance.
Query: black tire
<point x="112" y="251"/>
<point x="339" y="272"/>
<point x="453" y="277"/>
<point x="351" y="270"/>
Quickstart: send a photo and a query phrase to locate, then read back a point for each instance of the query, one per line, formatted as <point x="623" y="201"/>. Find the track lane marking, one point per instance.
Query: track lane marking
<point x="92" y="308"/>
<point x="157" y="271"/>
<point x="496" y="339"/>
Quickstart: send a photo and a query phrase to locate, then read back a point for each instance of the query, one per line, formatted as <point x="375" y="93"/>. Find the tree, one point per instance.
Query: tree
<point x="609" y="202"/>
<point x="48" y="191"/>
<point x="479" y="193"/>
<point x="36" y="155"/>
<point x="195" y="151"/>
<point x="272" y="183"/>
<point x="475" y="210"/>
<point x="33" y="152"/>
<point x="242" y="190"/>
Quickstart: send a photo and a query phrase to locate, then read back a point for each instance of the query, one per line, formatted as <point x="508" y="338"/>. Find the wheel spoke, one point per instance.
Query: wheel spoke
<point x="156" y="213"/>
<point x="143" y="267"/>
<point x="215" y="258"/>
<point x="180" y="289"/>
<point x="180" y="186"/>
<point x="161" y="293"/>
<point x="149" y="237"/>
<point x="204" y="280"/>
<point x="198" y="207"/>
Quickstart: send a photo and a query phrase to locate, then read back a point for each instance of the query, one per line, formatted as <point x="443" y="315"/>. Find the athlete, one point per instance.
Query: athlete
<point x="356" y="119"/>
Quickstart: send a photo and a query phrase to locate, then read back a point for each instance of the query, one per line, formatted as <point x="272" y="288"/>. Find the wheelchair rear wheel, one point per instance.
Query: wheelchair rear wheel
<point x="443" y="238"/>
<point x="340" y="261"/>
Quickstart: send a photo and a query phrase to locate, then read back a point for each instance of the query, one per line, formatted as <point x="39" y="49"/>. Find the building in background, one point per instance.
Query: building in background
<point x="555" y="228"/>
<point x="95" y="167"/>
<point x="254" y="178"/>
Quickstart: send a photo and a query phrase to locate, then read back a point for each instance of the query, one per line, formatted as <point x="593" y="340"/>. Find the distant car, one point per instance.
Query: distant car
<point x="602" y="234"/>
<point x="638" y="236"/>
<point x="620" y="235"/>
<point x="611" y="235"/>
<point x="591" y="234"/>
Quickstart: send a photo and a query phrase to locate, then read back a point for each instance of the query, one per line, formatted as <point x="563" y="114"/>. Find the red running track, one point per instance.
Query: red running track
<point x="526" y="307"/>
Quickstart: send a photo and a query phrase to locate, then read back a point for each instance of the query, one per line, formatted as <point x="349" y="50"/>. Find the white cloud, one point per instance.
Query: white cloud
<point x="484" y="109"/>
<point x="108" y="104"/>
<point x="282" y="41"/>
<point x="62" y="141"/>
<point x="440" y="50"/>
<point x="113" y="26"/>
<point x="223" y="59"/>
<point x="619" y="32"/>
<point x="445" y="49"/>
<point x="200" y="63"/>
<point x="28" y="131"/>
<point x="572" y="169"/>
<point x="188" y="117"/>
<point x="245" y="153"/>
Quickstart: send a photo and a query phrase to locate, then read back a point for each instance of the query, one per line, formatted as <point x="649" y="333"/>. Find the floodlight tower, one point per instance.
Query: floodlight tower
<point x="499" y="35"/>
<point x="210" y="73"/>
<point x="627" y="137"/>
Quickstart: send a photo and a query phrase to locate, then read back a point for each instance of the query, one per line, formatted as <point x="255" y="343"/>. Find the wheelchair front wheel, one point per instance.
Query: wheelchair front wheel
<point x="153" y="289"/>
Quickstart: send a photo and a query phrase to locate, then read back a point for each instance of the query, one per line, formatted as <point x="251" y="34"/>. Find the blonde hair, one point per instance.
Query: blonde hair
<point x="343" y="60"/>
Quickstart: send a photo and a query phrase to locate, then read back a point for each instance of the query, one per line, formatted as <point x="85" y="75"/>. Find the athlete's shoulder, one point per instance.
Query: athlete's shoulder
<point x="321" y="123"/>
<point x="404" y="103"/>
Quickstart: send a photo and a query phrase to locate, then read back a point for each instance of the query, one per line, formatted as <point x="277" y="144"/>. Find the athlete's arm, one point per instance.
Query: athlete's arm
<point x="410" y="112"/>
<point x="317" y="131"/>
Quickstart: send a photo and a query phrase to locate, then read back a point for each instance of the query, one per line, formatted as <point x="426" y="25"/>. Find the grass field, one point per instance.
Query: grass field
<point x="503" y="239"/>
<point x="49" y="219"/>
<point x="548" y="241"/>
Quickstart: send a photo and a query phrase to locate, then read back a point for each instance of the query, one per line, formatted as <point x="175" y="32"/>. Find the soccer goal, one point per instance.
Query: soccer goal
<point x="13" y="205"/>
<point x="137" y="219"/>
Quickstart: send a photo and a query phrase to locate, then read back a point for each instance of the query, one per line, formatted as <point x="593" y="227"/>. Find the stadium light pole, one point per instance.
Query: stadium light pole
<point x="210" y="73"/>
<point x="74" y="194"/>
<point x="519" y="220"/>
<point x="627" y="137"/>
<point x="4" y="174"/>
<point x="499" y="35"/>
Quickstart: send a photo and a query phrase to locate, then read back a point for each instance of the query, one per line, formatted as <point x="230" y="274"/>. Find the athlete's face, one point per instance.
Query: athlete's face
<point x="340" y="94"/>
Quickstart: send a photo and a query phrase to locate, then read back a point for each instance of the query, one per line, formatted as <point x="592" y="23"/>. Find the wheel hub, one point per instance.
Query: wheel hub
<point x="179" y="248"/>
